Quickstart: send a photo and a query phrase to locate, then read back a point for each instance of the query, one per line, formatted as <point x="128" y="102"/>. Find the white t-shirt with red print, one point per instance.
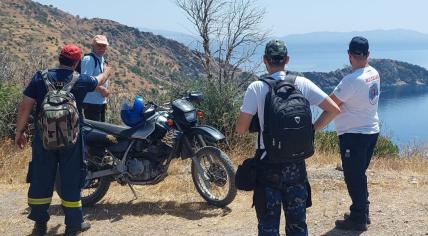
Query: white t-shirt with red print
<point x="359" y="92"/>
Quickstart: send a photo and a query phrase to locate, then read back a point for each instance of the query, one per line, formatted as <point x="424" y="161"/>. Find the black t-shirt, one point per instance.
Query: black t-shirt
<point x="37" y="90"/>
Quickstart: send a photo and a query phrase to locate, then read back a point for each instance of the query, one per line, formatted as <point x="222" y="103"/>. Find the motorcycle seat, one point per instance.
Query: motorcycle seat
<point x="138" y="132"/>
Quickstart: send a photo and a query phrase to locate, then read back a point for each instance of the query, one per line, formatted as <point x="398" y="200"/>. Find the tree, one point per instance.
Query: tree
<point x="229" y="32"/>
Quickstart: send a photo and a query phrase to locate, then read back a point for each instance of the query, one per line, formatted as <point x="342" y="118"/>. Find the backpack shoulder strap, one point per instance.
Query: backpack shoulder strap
<point x="271" y="82"/>
<point x="69" y="86"/>
<point x="290" y="78"/>
<point x="289" y="81"/>
<point x="45" y="77"/>
<point x="97" y="61"/>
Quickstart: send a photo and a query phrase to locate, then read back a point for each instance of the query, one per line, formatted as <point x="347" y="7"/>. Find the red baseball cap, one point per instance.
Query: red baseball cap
<point x="71" y="52"/>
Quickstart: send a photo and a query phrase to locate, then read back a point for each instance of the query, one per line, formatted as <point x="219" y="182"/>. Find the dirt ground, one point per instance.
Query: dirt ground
<point x="399" y="206"/>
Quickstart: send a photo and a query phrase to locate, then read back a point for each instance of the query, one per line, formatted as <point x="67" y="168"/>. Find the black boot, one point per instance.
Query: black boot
<point x="40" y="228"/>
<point x="347" y="215"/>
<point x="75" y="231"/>
<point x="348" y="224"/>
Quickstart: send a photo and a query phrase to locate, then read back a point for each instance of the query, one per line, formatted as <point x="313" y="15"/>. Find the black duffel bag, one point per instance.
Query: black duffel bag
<point x="246" y="174"/>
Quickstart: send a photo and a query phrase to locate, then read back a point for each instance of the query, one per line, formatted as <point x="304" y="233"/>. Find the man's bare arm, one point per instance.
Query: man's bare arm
<point x="24" y="111"/>
<point x="336" y="100"/>
<point x="243" y="123"/>
<point x="330" y="110"/>
<point x="103" y="76"/>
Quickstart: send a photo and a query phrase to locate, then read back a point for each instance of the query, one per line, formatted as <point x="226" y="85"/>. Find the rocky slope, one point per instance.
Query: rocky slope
<point x="392" y="73"/>
<point x="142" y="60"/>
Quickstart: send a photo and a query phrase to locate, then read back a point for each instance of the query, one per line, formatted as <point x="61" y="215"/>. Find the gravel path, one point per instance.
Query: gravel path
<point x="399" y="207"/>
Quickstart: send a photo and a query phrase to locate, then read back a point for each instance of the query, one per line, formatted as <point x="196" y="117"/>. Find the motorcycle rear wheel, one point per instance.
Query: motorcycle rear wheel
<point x="218" y="176"/>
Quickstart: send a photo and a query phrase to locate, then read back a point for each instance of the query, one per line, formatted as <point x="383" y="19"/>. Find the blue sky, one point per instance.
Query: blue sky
<point x="283" y="16"/>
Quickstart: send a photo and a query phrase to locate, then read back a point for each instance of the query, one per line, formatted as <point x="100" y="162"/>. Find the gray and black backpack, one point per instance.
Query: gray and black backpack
<point x="58" y="121"/>
<point x="288" y="132"/>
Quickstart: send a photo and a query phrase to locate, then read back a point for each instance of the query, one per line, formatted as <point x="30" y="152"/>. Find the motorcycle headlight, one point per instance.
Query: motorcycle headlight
<point x="190" y="116"/>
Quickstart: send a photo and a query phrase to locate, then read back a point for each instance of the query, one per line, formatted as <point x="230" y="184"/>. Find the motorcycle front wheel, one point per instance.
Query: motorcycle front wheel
<point x="214" y="176"/>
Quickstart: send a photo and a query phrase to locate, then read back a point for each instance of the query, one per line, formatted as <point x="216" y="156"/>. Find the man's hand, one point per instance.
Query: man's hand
<point x="107" y="70"/>
<point x="20" y="139"/>
<point x="104" y="76"/>
<point x="103" y="91"/>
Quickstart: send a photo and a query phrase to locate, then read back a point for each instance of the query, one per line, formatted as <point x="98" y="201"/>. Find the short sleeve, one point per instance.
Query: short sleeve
<point x="92" y="83"/>
<point x="249" y="105"/>
<point x="311" y="91"/>
<point x="31" y="89"/>
<point x="344" y="90"/>
<point x="87" y="83"/>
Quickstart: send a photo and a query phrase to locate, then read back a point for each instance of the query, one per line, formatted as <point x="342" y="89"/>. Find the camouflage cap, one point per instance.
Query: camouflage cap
<point x="276" y="48"/>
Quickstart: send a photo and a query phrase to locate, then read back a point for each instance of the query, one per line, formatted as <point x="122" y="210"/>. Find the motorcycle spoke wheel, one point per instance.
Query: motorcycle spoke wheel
<point x="90" y="188"/>
<point x="216" y="180"/>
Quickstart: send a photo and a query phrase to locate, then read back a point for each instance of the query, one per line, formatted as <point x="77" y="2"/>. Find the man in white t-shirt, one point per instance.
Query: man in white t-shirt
<point x="295" y="193"/>
<point x="357" y="125"/>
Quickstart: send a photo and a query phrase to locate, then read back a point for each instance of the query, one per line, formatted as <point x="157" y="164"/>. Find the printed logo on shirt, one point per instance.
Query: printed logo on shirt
<point x="58" y="84"/>
<point x="374" y="94"/>
<point x="371" y="79"/>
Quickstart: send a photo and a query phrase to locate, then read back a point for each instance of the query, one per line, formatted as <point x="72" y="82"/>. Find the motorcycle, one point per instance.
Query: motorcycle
<point x="141" y="155"/>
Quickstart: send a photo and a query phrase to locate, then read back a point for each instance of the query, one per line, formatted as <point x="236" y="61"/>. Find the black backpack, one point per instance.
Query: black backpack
<point x="97" y="62"/>
<point x="288" y="132"/>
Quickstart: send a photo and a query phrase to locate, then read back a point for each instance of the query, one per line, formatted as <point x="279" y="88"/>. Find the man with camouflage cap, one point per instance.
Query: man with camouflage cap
<point x="68" y="160"/>
<point x="291" y="188"/>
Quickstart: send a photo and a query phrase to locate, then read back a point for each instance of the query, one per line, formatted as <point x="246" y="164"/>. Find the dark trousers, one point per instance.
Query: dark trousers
<point x="41" y="176"/>
<point x="95" y="112"/>
<point x="356" y="151"/>
<point x="291" y="192"/>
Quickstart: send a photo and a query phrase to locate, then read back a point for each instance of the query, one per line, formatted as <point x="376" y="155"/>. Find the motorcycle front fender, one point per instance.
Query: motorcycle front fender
<point x="209" y="133"/>
<point x="204" y="133"/>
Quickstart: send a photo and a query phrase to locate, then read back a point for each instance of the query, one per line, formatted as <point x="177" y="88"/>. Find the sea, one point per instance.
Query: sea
<point x="403" y="111"/>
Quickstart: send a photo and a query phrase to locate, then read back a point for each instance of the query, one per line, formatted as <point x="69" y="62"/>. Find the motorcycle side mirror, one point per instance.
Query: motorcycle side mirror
<point x="196" y="97"/>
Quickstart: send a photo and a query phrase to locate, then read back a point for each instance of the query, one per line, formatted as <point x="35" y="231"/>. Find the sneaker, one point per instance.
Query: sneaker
<point x="75" y="231"/>
<point x="347" y="215"/>
<point x="40" y="228"/>
<point x="348" y="224"/>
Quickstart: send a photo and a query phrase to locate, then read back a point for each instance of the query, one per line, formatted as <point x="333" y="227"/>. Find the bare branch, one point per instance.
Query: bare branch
<point x="230" y="34"/>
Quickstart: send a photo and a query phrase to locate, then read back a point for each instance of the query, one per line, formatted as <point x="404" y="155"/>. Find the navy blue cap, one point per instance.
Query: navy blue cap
<point x="359" y="46"/>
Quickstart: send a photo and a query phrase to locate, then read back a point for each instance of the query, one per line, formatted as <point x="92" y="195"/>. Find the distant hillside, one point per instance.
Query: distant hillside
<point x="141" y="60"/>
<point x="187" y="39"/>
<point x="402" y="38"/>
<point x="392" y="73"/>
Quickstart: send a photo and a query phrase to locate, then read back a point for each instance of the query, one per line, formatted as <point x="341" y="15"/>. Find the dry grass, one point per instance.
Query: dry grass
<point x="174" y="207"/>
<point x="14" y="162"/>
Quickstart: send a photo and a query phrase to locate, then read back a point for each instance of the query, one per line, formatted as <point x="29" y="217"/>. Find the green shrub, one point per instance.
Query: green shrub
<point x="10" y="95"/>
<point x="220" y="105"/>
<point x="326" y="142"/>
<point x="385" y="147"/>
<point x="329" y="142"/>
